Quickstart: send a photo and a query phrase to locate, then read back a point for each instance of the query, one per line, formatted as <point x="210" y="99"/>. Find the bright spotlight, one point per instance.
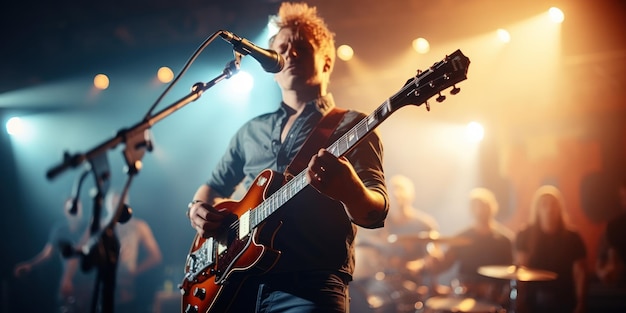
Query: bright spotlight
<point x="15" y="126"/>
<point x="241" y="83"/>
<point x="165" y="74"/>
<point x="475" y="132"/>
<point x="101" y="81"/>
<point x="18" y="128"/>
<point x="503" y="35"/>
<point x="345" y="52"/>
<point x="421" y="45"/>
<point x="556" y="15"/>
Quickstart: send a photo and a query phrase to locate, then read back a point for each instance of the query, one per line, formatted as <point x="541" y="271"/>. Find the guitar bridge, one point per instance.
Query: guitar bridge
<point x="200" y="259"/>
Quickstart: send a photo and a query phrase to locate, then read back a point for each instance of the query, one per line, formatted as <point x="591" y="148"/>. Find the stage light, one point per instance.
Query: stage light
<point x="241" y="83"/>
<point x="503" y="35"/>
<point x="475" y="132"/>
<point x="421" y="45"/>
<point x="165" y="74"/>
<point x="345" y="52"/>
<point x="556" y="15"/>
<point x="101" y="81"/>
<point x="19" y="129"/>
<point x="15" y="126"/>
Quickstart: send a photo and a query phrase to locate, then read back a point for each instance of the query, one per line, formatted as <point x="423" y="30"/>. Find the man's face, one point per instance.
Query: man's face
<point x="402" y="194"/>
<point x="303" y="67"/>
<point x="481" y="211"/>
<point x="549" y="214"/>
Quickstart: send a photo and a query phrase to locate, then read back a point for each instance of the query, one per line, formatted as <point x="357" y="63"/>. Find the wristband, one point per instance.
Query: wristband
<point x="192" y="203"/>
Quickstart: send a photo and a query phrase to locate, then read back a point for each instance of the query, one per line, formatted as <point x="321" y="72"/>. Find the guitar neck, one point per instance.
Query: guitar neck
<point x="339" y="148"/>
<point x="416" y="91"/>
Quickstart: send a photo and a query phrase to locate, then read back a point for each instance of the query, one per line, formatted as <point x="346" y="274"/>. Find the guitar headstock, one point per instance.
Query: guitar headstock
<point x="433" y="81"/>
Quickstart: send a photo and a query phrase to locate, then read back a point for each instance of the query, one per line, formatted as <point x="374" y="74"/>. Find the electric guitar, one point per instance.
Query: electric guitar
<point x="217" y="266"/>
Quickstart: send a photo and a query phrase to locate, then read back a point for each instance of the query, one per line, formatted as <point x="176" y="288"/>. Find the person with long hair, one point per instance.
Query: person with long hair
<point x="549" y="243"/>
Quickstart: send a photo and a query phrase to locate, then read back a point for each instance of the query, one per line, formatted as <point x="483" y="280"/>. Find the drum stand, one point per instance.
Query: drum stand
<point x="512" y="307"/>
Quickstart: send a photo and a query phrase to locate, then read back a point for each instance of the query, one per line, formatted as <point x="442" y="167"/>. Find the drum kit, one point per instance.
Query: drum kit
<point x="376" y="290"/>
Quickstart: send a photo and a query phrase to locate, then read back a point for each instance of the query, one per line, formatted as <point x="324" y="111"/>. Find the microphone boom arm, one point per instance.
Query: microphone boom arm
<point x="139" y="129"/>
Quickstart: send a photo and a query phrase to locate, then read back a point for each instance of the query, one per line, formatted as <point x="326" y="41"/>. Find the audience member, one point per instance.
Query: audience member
<point x="139" y="252"/>
<point x="549" y="243"/>
<point x="73" y="294"/>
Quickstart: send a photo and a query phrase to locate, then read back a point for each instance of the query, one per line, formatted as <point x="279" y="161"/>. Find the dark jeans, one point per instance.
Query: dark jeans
<point x="304" y="292"/>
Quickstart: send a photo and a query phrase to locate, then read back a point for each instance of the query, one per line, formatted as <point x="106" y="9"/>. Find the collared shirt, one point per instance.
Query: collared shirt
<point x="316" y="232"/>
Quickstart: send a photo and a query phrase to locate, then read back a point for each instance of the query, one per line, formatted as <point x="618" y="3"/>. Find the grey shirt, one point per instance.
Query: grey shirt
<point x="315" y="232"/>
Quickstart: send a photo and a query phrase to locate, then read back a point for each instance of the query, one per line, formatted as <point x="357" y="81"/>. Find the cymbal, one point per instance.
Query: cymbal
<point x="428" y="237"/>
<point x="514" y="272"/>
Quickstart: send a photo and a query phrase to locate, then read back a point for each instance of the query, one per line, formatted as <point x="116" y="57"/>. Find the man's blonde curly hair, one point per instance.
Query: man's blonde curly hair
<point x="304" y="20"/>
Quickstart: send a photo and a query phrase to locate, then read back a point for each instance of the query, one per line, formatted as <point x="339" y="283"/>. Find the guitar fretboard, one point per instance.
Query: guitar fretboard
<point x="416" y="91"/>
<point x="339" y="148"/>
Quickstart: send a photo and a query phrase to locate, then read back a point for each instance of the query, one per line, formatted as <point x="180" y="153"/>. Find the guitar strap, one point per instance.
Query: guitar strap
<point x="316" y="139"/>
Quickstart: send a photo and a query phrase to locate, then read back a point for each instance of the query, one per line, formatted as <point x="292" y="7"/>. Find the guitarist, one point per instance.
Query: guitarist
<point x="315" y="230"/>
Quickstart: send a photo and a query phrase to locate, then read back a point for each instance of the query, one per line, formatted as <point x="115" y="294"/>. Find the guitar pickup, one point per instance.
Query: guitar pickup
<point x="244" y="225"/>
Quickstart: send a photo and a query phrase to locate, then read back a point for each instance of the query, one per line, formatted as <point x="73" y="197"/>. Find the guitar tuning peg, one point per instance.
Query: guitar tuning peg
<point x="455" y="90"/>
<point x="441" y="98"/>
<point x="427" y="106"/>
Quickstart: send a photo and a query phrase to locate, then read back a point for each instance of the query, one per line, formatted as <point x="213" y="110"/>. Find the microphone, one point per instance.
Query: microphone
<point x="270" y="60"/>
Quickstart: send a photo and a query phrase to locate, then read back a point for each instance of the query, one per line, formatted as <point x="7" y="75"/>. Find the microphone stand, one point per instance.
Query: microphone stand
<point x="76" y="190"/>
<point x="102" y="248"/>
<point x="124" y="134"/>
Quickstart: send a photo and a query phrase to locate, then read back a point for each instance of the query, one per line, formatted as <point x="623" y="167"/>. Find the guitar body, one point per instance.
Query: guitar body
<point x="216" y="283"/>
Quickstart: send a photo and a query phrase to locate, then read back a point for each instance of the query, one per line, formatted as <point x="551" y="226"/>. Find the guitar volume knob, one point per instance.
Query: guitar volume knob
<point x="199" y="293"/>
<point x="191" y="308"/>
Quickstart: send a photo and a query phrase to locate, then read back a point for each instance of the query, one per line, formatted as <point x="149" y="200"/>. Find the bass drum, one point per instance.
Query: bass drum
<point x="384" y="296"/>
